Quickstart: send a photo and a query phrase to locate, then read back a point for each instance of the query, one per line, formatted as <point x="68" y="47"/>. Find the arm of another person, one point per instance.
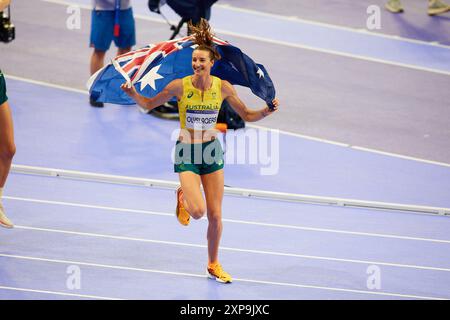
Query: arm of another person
<point x="4" y="4"/>
<point x="248" y="115"/>
<point x="173" y="89"/>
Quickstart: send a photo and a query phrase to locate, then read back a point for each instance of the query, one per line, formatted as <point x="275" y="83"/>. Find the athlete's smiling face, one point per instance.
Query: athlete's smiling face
<point x="202" y="62"/>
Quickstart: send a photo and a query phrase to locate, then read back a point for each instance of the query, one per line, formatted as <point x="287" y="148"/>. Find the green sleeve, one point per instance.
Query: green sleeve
<point x="3" y="97"/>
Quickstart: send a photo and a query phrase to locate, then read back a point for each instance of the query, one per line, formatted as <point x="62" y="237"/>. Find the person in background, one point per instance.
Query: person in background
<point x="7" y="146"/>
<point x="110" y="20"/>
<point x="434" y="7"/>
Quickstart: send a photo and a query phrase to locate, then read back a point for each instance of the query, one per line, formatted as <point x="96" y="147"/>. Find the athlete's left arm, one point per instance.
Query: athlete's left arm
<point x="248" y="115"/>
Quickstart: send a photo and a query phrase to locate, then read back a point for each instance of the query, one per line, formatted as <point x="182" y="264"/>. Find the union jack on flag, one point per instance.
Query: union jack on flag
<point x="152" y="67"/>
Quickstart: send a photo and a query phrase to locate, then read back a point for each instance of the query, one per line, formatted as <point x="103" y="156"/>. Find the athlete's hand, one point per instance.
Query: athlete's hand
<point x="275" y="103"/>
<point x="269" y="111"/>
<point x="129" y="89"/>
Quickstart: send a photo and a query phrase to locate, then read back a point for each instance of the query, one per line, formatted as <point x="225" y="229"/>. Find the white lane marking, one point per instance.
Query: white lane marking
<point x="365" y="234"/>
<point x="81" y="205"/>
<point x="295" y="19"/>
<point x="46" y="84"/>
<point x="395" y="155"/>
<point x="334" y="52"/>
<point x="332" y="26"/>
<point x="401" y="156"/>
<point x="203" y="276"/>
<point x="289" y="44"/>
<point x="273" y="253"/>
<point x="342" y="290"/>
<point x="298" y="135"/>
<point x="342" y="144"/>
<point x="240" y="192"/>
<point x="57" y="293"/>
<point x="171" y="215"/>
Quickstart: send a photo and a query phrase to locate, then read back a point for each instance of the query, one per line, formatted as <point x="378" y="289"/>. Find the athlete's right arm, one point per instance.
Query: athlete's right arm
<point x="173" y="89"/>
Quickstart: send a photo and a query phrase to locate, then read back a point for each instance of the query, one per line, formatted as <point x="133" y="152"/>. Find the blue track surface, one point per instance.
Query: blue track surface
<point x="119" y="140"/>
<point x="160" y="252"/>
<point x="307" y="34"/>
<point x="128" y="245"/>
<point x="125" y="240"/>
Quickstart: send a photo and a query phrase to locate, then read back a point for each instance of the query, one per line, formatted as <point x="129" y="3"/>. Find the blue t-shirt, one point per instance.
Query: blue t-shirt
<point x="110" y="4"/>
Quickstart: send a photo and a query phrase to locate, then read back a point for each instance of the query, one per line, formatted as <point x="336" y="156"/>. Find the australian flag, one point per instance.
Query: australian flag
<point x="151" y="68"/>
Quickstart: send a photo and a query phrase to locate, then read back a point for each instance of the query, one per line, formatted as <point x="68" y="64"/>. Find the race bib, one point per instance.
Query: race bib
<point x="201" y="120"/>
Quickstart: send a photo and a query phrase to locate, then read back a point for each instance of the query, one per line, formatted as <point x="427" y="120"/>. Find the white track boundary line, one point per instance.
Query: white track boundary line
<point x="285" y="43"/>
<point x="342" y="290"/>
<point x="263" y="224"/>
<point x="334" y="52"/>
<point x="241" y="192"/>
<point x="279" y="17"/>
<point x="346" y="145"/>
<point x="262" y="252"/>
<point x="89" y="206"/>
<point x="298" y="135"/>
<point x="443" y="164"/>
<point x="236" y="279"/>
<point x="251" y="125"/>
<point x="331" y="26"/>
<point x="46" y="84"/>
<point x="58" y="293"/>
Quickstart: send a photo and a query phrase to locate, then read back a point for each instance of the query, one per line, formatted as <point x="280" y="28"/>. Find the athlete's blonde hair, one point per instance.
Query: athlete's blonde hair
<point x="203" y="37"/>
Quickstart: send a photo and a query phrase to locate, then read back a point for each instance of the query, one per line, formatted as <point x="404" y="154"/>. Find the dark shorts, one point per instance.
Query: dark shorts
<point x="102" y="29"/>
<point x="3" y="97"/>
<point x="200" y="158"/>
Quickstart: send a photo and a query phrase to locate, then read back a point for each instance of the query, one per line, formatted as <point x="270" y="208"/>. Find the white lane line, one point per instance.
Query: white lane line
<point x="80" y="205"/>
<point x="333" y="52"/>
<point x="342" y="144"/>
<point x="384" y="153"/>
<point x="273" y="253"/>
<point x="337" y="143"/>
<point x="289" y="44"/>
<point x="298" y="135"/>
<point x="295" y="19"/>
<point x="331" y="26"/>
<point x="240" y="192"/>
<point x="342" y="290"/>
<point x="203" y="276"/>
<point x="103" y="265"/>
<point x="58" y="293"/>
<point x="264" y="224"/>
<point x="365" y="234"/>
<point x="46" y="84"/>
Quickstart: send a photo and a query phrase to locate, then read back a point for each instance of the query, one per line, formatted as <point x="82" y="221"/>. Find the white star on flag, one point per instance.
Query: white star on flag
<point x="260" y="73"/>
<point x="150" y="78"/>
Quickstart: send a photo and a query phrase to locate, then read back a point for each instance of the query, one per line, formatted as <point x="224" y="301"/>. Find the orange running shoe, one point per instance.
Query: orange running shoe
<point x="182" y="215"/>
<point x="215" y="271"/>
